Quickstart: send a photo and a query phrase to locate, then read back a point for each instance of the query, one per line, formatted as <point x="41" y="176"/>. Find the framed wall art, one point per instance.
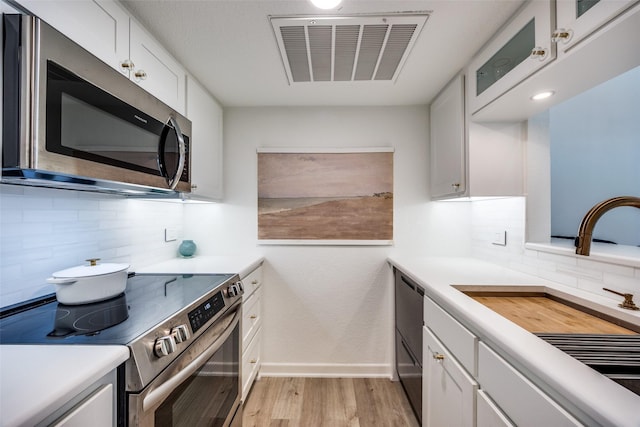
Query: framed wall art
<point x="320" y="196"/>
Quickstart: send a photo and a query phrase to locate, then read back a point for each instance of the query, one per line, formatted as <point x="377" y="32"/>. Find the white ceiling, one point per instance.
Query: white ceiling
<point x="230" y="47"/>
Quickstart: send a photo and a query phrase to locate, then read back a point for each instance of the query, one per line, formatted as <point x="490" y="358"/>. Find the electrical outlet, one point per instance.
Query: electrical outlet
<point x="170" y="234"/>
<point x="500" y="238"/>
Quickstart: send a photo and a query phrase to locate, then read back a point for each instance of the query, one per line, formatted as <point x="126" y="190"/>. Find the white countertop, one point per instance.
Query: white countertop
<point x="565" y="379"/>
<point x="37" y="380"/>
<point x="242" y="265"/>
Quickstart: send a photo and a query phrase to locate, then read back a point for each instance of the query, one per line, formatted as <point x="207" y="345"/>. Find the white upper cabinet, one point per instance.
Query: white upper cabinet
<point x="105" y="29"/>
<point x="577" y="19"/>
<point x="472" y="159"/>
<point x="155" y="70"/>
<point x="595" y="40"/>
<point x="519" y="49"/>
<point x="448" y="130"/>
<point x="206" y="141"/>
<point x="100" y="26"/>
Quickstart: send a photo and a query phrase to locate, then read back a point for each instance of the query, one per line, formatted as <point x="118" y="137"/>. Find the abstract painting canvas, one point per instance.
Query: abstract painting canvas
<point x="326" y="196"/>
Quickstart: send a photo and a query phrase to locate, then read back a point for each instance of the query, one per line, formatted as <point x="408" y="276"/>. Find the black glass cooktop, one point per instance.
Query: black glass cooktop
<point x="148" y="300"/>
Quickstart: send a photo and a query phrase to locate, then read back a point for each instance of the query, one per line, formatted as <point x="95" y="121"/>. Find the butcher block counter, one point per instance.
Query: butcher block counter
<point x="588" y="396"/>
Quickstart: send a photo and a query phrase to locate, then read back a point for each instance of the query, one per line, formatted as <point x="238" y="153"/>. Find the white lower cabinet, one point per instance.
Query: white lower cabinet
<point x="449" y="392"/>
<point x="251" y="359"/>
<point x="251" y="329"/>
<point x="520" y="400"/>
<point x="96" y="410"/>
<point x="488" y="414"/>
<point x="466" y="383"/>
<point x="94" y="406"/>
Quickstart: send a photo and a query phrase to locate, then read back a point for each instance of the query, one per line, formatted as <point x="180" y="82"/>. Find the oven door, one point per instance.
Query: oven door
<point x="201" y="387"/>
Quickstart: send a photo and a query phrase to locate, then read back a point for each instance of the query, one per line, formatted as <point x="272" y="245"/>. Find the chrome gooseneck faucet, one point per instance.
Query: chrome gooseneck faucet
<point x="583" y="241"/>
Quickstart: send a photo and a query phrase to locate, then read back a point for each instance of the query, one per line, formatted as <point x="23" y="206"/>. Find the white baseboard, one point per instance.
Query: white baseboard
<point x="325" y="370"/>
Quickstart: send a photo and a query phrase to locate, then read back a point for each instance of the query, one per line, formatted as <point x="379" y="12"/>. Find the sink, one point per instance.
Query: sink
<point x="595" y="335"/>
<point x="614" y="356"/>
<point x="541" y="310"/>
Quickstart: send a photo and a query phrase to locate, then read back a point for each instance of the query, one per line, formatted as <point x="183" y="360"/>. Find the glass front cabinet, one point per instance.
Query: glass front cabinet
<point x="577" y="19"/>
<point x="521" y="48"/>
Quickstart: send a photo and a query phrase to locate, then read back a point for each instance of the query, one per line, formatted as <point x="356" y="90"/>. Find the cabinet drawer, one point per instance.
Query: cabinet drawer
<point x="449" y="392"/>
<point x="96" y="410"/>
<point x="453" y="335"/>
<point x="251" y="359"/>
<point x="488" y="414"/>
<point x="251" y="316"/>
<point x="252" y="282"/>
<point x="508" y="388"/>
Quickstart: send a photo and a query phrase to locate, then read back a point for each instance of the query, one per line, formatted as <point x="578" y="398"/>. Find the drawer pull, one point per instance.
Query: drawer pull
<point x="254" y="282"/>
<point x="253" y="316"/>
<point x="438" y="356"/>
<point x="253" y="361"/>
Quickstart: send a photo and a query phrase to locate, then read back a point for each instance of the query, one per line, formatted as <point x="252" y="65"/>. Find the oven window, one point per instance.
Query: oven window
<point x="208" y="396"/>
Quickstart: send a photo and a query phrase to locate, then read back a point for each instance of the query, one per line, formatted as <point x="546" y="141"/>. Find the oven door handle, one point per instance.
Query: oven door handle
<point x="156" y="396"/>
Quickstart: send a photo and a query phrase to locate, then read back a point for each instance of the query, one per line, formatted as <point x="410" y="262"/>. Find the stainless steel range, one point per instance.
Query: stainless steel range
<point x="183" y="332"/>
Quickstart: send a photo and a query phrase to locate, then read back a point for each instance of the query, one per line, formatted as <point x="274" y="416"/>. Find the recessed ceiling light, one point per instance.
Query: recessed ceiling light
<point x="326" y="4"/>
<point x="542" y="95"/>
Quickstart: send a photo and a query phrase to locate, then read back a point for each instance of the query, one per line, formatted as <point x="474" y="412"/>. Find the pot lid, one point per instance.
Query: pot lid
<point x="93" y="269"/>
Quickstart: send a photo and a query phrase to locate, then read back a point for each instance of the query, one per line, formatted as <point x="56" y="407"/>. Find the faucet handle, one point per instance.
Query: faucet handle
<point x="628" y="300"/>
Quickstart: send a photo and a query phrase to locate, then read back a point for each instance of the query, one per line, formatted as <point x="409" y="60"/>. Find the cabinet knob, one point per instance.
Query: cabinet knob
<point x="538" y="53"/>
<point x="194" y="186"/>
<point x="140" y="75"/>
<point x="127" y="65"/>
<point x="456" y="186"/>
<point x="254" y="282"/>
<point x="561" y="35"/>
<point x="438" y="356"/>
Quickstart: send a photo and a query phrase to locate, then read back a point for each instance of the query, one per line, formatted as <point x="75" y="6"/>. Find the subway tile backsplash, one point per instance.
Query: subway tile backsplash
<point x="489" y="216"/>
<point x="46" y="230"/>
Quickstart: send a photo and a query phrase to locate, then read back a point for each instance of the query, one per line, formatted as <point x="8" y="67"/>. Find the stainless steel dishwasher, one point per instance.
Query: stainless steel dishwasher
<point x="409" y="303"/>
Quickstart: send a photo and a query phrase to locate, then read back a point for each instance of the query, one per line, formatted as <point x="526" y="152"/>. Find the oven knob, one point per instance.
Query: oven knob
<point x="232" y="291"/>
<point x="180" y="333"/>
<point x="164" y="346"/>
<point x="240" y="286"/>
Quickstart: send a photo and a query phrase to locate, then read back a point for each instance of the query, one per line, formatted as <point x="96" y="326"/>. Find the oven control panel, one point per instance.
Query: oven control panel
<point x="202" y="314"/>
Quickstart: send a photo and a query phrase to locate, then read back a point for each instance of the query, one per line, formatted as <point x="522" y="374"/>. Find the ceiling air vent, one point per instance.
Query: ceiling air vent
<point x="359" y="48"/>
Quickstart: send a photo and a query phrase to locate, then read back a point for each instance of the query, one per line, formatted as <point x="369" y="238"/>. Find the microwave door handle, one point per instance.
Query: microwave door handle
<point x="172" y="181"/>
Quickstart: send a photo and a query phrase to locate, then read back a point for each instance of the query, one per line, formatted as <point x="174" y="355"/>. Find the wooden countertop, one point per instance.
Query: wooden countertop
<point x="543" y="314"/>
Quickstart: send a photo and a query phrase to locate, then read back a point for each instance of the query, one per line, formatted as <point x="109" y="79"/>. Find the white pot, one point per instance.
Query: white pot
<point x="89" y="283"/>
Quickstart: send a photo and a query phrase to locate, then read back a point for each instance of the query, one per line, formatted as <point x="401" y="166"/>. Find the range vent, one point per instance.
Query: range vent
<point x="359" y="48"/>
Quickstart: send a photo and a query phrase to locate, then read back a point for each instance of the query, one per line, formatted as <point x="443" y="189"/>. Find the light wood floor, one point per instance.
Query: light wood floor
<point x="327" y="402"/>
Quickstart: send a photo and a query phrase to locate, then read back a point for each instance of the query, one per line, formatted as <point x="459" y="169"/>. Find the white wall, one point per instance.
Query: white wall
<point x="329" y="309"/>
<point x="47" y="230"/>
<point x="579" y="272"/>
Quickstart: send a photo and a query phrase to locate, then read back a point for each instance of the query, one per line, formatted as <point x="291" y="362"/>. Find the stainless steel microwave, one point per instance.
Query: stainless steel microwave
<point x="71" y="121"/>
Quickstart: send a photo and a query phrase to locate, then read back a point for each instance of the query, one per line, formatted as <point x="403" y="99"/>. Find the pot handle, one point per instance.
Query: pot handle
<point x="67" y="281"/>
